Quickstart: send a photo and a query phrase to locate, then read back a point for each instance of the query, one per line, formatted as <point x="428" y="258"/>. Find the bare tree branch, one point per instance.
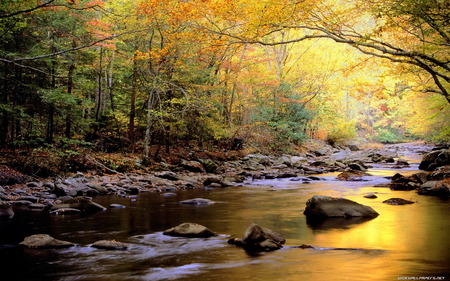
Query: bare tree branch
<point x="47" y="4"/>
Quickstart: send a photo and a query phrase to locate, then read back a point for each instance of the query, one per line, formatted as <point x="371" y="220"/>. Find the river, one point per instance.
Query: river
<point x="403" y="242"/>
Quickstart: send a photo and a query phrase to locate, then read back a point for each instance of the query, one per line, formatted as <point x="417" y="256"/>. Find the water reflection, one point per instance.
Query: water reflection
<point x="317" y="223"/>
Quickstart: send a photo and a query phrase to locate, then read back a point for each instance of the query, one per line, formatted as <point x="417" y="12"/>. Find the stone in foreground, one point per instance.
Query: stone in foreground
<point x="326" y="206"/>
<point x="44" y="241"/>
<point x="190" y="230"/>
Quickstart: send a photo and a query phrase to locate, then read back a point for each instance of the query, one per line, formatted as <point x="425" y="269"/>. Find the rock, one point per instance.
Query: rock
<point x="37" y="206"/>
<point x="192" y="166"/>
<point x="168" y="175"/>
<point x="31" y="199"/>
<point x="258" y="159"/>
<point x="44" y="241"/>
<point x="117" y="206"/>
<point x="397" y="201"/>
<point x="402" y="162"/>
<point x="284" y="160"/>
<point x="197" y="201"/>
<point x="370" y="196"/>
<point x="209" y="165"/>
<point x="400" y="182"/>
<point x="352" y="175"/>
<point x="325" y="206"/>
<point x="435" y="159"/>
<point x="109" y="245"/>
<point x="435" y="188"/>
<point x="6" y="210"/>
<point x="191" y="230"/>
<point x="100" y="189"/>
<point x="65" y="211"/>
<point x="440" y="173"/>
<point x="257" y="238"/>
<point x="357" y="167"/>
<point x="81" y="203"/>
<point x="169" y="194"/>
<point x="217" y="180"/>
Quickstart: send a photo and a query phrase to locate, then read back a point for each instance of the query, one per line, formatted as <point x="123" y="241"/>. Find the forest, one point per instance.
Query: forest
<point x="148" y="77"/>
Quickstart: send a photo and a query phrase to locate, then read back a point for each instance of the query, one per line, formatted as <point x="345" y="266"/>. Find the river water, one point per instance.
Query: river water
<point x="404" y="242"/>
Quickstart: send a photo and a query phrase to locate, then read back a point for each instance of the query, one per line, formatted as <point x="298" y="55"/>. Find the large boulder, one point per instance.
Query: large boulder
<point x="326" y="206"/>
<point x="81" y="203"/>
<point x="191" y="230"/>
<point x="44" y="241"/>
<point x="435" y="159"/>
<point x="435" y="188"/>
<point x="257" y="238"/>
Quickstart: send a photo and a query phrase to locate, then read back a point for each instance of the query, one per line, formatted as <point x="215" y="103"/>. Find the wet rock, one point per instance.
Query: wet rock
<point x="37" y="206"/>
<point x="81" y="203"/>
<point x="439" y="188"/>
<point x="197" y="201"/>
<point x="109" y="245"/>
<point x="190" y="230"/>
<point x="257" y="238"/>
<point x="357" y="167"/>
<point x="216" y="180"/>
<point x="325" y="206"/>
<point x="400" y="182"/>
<point x="370" y="196"/>
<point x="21" y="202"/>
<point x="402" y="162"/>
<point x="440" y="173"/>
<point x="117" y="206"/>
<point x="65" y="211"/>
<point x="6" y="210"/>
<point x="397" y="201"/>
<point x="31" y="199"/>
<point x="352" y="175"/>
<point x="435" y="159"/>
<point x="44" y="241"/>
<point x="168" y="194"/>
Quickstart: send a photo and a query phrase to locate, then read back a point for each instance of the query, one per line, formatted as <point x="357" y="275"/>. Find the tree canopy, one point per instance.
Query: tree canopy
<point x="270" y="73"/>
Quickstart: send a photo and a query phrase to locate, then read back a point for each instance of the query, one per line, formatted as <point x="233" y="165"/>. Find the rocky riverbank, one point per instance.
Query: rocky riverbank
<point x="352" y="161"/>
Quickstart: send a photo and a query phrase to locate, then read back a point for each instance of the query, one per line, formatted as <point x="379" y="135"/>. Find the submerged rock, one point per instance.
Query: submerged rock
<point x="81" y="203"/>
<point x="257" y="238"/>
<point x="397" y="201"/>
<point x="44" y="241"/>
<point x="65" y="211"/>
<point x="325" y="206"/>
<point x="191" y="230"/>
<point x="197" y="201"/>
<point x="109" y="245"/>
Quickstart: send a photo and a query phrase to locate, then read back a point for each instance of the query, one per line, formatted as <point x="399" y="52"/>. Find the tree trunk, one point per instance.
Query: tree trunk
<point x="131" y="134"/>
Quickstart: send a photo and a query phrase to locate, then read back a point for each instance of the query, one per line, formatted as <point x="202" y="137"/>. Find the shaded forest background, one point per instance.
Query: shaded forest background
<point x="162" y="78"/>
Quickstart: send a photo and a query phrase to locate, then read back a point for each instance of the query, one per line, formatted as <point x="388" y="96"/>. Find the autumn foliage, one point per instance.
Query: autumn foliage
<point x="150" y="75"/>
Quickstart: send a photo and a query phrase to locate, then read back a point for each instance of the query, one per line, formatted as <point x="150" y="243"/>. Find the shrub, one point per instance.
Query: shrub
<point x="341" y="133"/>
